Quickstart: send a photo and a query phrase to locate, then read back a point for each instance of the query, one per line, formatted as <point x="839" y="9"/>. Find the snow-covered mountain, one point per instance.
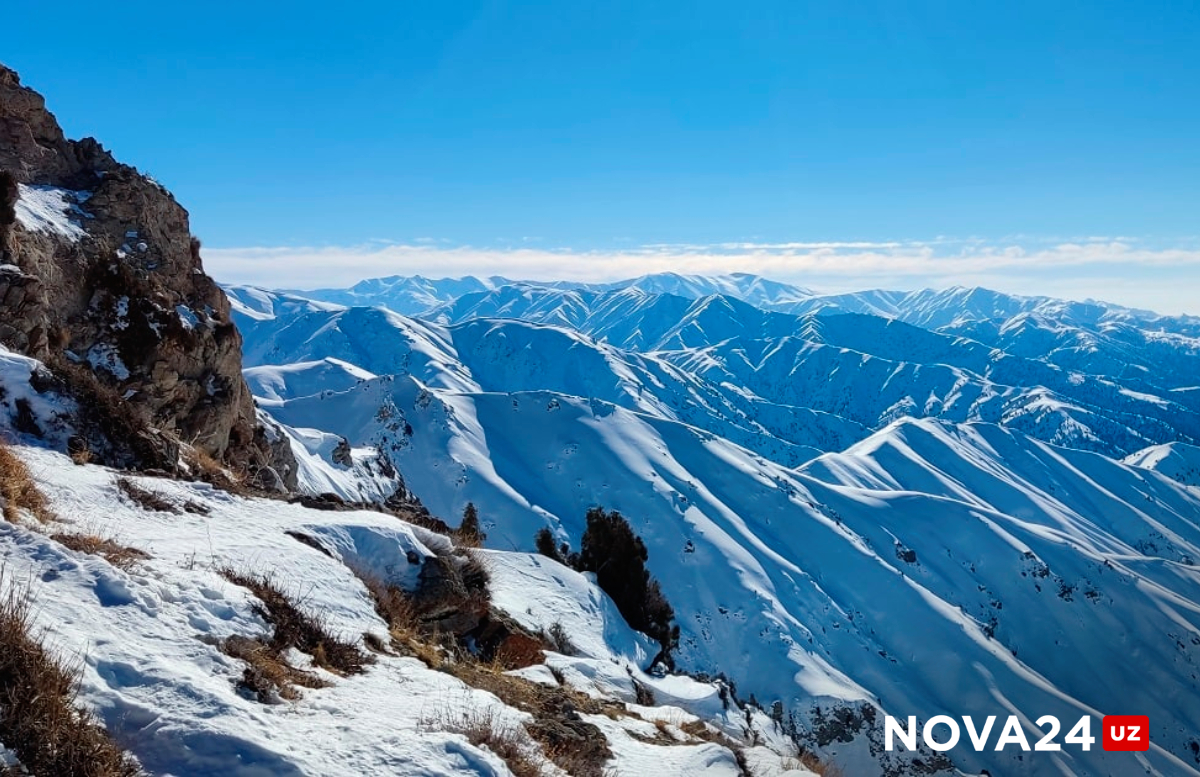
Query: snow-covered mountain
<point x="845" y="509"/>
<point x="785" y="386"/>
<point x="412" y="295"/>
<point x="859" y="575"/>
<point x="1175" y="460"/>
<point x="910" y="504"/>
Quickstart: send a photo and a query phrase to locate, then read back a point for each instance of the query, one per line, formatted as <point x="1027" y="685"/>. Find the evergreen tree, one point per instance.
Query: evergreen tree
<point x="468" y="531"/>
<point x="544" y="542"/>
<point x="617" y="556"/>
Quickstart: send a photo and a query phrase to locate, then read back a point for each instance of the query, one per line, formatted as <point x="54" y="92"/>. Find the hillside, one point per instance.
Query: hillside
<point x="251" y="531"/>
<point x="998" y="529"/>
<point x="156" y="633"/>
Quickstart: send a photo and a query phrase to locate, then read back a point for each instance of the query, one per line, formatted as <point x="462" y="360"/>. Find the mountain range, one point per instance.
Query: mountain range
<point x="920" y="503"/>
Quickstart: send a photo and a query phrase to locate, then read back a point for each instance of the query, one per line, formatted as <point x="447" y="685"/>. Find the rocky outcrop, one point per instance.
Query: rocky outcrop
<point x="101" y="279"/>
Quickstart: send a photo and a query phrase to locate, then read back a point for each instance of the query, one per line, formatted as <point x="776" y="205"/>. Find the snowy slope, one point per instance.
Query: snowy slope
<point x="304" y="378"/>
<point x="931" y="567"/>
<point x="151" y="669"/>
<point x="491" y="355"/>
<point x="1176" y="460"/>
<point x="1039" y="581"/>
<point x="783" y="386"/>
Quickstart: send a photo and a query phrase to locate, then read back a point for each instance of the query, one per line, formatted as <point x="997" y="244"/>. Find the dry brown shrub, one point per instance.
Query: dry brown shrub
<point x="268" y="675"/>
<point x="19" y="490"/>
<point x="40" y="719"/>
<point x="485" y="728"/>
<point x="294" y="628"/>
<point x="145" y="498"/>
<point x="120" y="556"/>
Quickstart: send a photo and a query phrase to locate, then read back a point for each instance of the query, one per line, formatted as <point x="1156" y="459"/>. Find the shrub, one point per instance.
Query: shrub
<point x="558" y="640"/>
<point x="40" y="719"/>
<point x="19" y="491"/>
<point x="295" y="629"/>
<point x="485" y="727"/>
<point x="120" y="556"/>
<point x="268" y="675"/>
<point x="145" y="498"/>
<point x="544" y="542"/>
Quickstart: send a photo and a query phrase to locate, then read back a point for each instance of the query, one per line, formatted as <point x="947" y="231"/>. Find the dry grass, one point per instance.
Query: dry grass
<point x="409" y="636"/>
<point x="268" y="675"/>
<point x="19" y="490"/>
<point x="819" y="767"/>
<point x="145" y="498"/>
<point x="486" y="728"/>
<point x="211" y="471"/>
<point x="815" y="765"/>
<point x="518" y="651"/>
<point x="292" y="629"/>
<point x="572" y="744"/>
<point x="40" y="719"/>
<point x="120" y="556"/>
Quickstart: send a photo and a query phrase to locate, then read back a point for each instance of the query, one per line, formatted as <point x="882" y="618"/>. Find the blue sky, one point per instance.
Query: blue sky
<point x="920" y="139"/>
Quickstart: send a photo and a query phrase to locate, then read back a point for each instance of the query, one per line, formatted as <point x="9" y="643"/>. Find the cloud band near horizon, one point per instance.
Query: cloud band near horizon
<point x="1120" y="270"/>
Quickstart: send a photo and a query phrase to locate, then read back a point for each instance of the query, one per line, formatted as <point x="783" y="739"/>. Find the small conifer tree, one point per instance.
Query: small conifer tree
<point x="469" y="532"/>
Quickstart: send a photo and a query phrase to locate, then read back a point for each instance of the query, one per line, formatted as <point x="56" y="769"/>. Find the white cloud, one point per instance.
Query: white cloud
<point x="1121" y="270"/>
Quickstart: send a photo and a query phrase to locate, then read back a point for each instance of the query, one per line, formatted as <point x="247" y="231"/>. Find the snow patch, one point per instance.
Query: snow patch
<point x="53" y="210"/>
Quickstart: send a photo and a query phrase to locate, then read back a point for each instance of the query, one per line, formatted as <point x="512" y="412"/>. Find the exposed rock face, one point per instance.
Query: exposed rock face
<point x="110" y="283"/>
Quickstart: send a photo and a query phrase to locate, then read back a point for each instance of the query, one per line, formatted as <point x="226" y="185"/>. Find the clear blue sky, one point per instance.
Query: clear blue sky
<point x="593" y="126"/>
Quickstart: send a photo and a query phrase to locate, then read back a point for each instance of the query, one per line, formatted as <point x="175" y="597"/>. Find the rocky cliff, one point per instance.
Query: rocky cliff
<point x="101" y="279"/>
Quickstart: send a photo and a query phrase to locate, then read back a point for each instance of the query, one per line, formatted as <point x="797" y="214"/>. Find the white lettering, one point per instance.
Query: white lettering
<point x="908" y="738"/>
<point x="1012" y="734"/>
<point x="944" y="720"/>
<point x="979" y="739"/>
<point x="1047" y="742"/>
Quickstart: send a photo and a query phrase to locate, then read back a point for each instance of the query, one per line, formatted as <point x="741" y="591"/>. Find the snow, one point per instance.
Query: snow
<point x="365" y="480"/>
<point x="105" y="356"/>
<point x="48" y="410"/>
<point x="169" y="696"/>
<point x="50" y="209"/>
<point x="187" y="317"/>
<point x="146" y="636"/>
<point x="794" y="577"/>
<point x="822" y="545"/>
<point x="304" y="379"/>
<point x="1176" y="460"/>
<point x="570" y="600"/>
<point x="787" y="568"/>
